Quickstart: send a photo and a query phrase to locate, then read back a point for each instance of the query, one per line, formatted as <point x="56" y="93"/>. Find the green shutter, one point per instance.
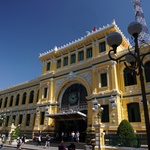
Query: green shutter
<point x="103" y="79"/>
<point x="59" y="63"/>
<point x="134" y="112"/>
<point x="102" y="47"/>
<point x="42" y="118"/>
<point x="65" y="61"/>
<point x="105" y="114"/>
<point x="129" y="77"/>
<point x="73" y="58"/>
<point x="48" y="66"/>
<point x="89" y="53"/>
<point x="81" y="56"/>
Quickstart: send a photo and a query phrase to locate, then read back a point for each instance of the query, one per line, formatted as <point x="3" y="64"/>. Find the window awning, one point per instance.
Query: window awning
<point x="68" y="116"/>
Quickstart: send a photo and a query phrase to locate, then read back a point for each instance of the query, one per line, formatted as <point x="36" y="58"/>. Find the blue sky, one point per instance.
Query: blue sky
<point x="30" y="27"/>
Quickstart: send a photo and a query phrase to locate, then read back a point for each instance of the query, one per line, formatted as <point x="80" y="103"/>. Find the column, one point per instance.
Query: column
<point x="93" y="49"/>
<point x="32" y="119"/>
<point x="37" y="119"/>
<point x="76" y="54"/>
<point x="44" y="67"/>
<point x="114" y="75"/>
<point x="84" y="53"/>
<point x="20" y="100"/>
<point x="99" y="137"/>
<point x="94" y="80"/>
<point x="23" y="124"/>
<point x="51" y="89"/>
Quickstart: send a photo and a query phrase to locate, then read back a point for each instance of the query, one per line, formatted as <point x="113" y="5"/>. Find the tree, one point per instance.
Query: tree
<point x="16" y="133"/>
<point x="126" y="134"/>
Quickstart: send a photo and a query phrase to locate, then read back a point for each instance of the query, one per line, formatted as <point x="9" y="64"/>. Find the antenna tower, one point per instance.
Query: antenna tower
<point x="139" y="17"/>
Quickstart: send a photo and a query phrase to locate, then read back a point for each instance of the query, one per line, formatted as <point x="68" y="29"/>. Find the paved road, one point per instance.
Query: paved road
<point x="8" y="148"/>
<point x="12" y="148"/>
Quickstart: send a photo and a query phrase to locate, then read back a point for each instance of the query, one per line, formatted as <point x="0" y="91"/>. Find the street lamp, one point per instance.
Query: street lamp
<point x="134" y="62"/>
<point x="98" y="112"/>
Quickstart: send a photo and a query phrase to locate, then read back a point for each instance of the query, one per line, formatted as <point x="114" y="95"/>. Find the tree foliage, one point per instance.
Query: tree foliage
<point x="16" y="133"/>
<point x="126" y="134"/>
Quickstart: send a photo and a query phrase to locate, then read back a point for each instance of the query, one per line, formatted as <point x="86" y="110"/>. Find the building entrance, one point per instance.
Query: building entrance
<point x="68" y="126"/>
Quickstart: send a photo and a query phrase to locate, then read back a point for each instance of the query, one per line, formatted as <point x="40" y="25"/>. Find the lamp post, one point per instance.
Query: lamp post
<point x="98" y="111"/>
<point x="134" y="62"/>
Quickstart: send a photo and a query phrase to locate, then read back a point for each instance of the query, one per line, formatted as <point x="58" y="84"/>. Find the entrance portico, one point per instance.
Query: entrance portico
<point x="69" y="122"/>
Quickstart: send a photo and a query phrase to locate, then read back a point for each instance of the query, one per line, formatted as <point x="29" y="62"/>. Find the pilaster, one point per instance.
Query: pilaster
<point x="114" y="75"/>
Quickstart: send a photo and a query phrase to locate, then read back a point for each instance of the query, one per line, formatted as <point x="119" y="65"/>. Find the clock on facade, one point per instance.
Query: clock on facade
<point x="73" y="98"/>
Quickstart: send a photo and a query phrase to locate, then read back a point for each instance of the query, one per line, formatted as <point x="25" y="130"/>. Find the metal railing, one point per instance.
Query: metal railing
<point x="125" y="142"/>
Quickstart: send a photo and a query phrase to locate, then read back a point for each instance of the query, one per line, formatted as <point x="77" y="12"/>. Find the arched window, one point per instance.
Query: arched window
<point x="31" y="96"/>
<point x="20" y="119"/>
<point x="5" y="104"/>
<point x="14" y="119"/>
<point x="28" y="119"/>
<point x="11" y="101"/>
<point x="17" y="99"/>
<point x="129" y="77"/>
<point x="147" y="71"/>
<point x="7" y="121"/>
<point x="74" y="95"/>
<point x="42" y="116"/>
<point x="24" y="98"/>
<point x="134" y="112"/>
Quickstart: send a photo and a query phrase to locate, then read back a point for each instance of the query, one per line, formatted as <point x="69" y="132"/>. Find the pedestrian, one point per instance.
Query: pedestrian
<point x="77" y="136"/>
<point x="3" y="141"/>
<point x="19" y="143"/>
<point x="24" y="138"/>
<point x="62" y="136"/>
<point x="48" y="138"/>
<point x="72" y="136"/>
<point x="61" y="146"/>
<point x="39" y="140"/>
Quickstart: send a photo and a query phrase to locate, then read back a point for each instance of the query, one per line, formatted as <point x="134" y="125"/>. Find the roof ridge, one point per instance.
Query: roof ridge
<point x="88" y="33"/>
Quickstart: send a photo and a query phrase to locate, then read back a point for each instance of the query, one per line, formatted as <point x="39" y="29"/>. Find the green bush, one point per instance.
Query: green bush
<point x="126" y="134"/>
<point x="15" y="133"/>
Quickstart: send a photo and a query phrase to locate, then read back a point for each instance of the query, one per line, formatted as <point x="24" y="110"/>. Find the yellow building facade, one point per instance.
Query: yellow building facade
<point x="73" y="76"/>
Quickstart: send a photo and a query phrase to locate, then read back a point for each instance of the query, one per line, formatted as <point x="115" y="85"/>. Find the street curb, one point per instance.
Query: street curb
<point x="29" y="148"/>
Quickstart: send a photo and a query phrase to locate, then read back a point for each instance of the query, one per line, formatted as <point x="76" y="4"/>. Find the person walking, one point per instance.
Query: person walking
<point x="77" y="136"/>
<point x="73" y="136"/>
<point x="24" y="138"/>
<point x="19" y="143"/>
<point x="48" y="138"/>
<point x="3" y="141"/>
<point x="39" y="140"/>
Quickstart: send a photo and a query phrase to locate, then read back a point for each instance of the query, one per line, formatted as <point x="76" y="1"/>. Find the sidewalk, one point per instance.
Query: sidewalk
<point x="34" y="147"/>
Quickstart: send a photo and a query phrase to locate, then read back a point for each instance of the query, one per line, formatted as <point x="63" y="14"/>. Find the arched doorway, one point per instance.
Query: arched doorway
<point x="74" y="106"/>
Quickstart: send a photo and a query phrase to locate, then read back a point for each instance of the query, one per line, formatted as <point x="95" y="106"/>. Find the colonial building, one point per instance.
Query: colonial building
<point x="73" y="76"/>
